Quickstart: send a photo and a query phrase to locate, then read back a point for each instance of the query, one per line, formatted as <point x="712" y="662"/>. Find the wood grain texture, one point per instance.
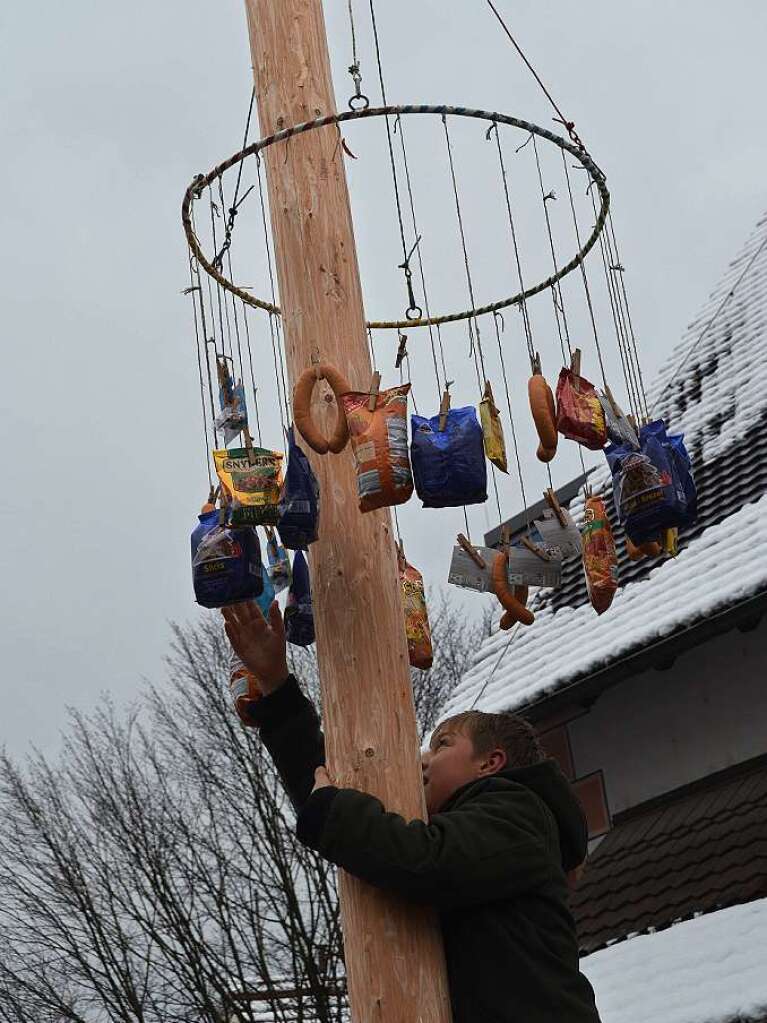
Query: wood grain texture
<point x="393" y="950"/>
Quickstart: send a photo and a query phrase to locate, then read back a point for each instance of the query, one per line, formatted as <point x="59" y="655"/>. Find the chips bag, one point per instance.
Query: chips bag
<point x="299" y="505"/>
<point x="233" y="416"/>
<point x="492" y="434"/>
<point x="653" y="488"/>
<point x="619" y="429"/>
<point x="379" y="444"/>
<point x="600" y="560"/>
<point x="244" y="688"/>
<point x="252" y="487"/>
<point x="449" y="465"/>
<point x="416" y="616"/>
<point x="580" y="416"/>
<point x="299" y="615"/>
<point x="226" y="562"/>
<point x="279" y="563"/>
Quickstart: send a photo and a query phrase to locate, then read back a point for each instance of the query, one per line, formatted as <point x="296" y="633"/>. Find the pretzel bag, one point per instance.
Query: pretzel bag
<point x="299" y="614"/>
<point x="600" y="560"/>
<point x="253" y="487"/>
<point x="379" y="444"/>
<point x="416" y="616"/>
<point x="580" y="416"/>
<point x="226" y="563"/>
<point x="299" y="504"/>
<point x="449" y="465"/>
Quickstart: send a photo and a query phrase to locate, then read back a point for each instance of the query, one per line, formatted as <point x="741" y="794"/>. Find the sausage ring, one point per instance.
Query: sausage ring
<point x="302" y="414"/>
<point x="544" y="414"/>
<point x="513" y="599"/>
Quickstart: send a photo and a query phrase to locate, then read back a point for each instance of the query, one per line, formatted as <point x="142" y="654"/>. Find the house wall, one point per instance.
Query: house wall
<point x="662" y="729"/>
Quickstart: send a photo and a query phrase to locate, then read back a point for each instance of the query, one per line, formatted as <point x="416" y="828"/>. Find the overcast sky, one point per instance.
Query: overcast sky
<point x="108" y="110"/>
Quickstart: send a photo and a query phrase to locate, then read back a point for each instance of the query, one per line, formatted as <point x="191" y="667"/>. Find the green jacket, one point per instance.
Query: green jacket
<point x="493" y="862"/>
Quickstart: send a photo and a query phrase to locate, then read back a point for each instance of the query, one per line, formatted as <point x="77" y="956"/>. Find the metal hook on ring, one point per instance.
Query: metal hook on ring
<point x="413" y="311"/>
<point x="359" y="100"/>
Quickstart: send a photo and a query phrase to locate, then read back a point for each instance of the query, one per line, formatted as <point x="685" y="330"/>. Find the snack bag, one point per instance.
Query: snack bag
<point x="299" y="505"/>
<point x="416" y="616"/>
<point x="449" y="465"/>
<point x="379" y="444"/>
<point x="600" y="560"/>
<point x="252" y="487"/>
<point x="244" y="688"/>
<point x="580" y="416"/>
<point x="653" y="487"/>
<point x="299" y="616"/>
<point x="226" y="563"/>
<point x="279" y="563"/>
<point x="492" y="434"/>
<point x="233" y="416"/>
<point x="619" y="429"/>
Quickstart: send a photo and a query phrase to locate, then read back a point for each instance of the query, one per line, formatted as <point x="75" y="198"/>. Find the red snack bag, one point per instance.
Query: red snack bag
<point x="600" y="560"/>
<point x="379" y="443"/>
<point x="580" y="416"/>
<point x="417" y="626"/>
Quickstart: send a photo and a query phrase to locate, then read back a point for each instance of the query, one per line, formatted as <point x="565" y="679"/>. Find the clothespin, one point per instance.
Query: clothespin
<point x="587" y="491"/>
<point x="401" y="351"/>
<point x="537" y="365"/>
<point x="613" y="403"/>
<point x="488" y="396"/>
<point x="553" y="503"/>
<point x="375" y="383"/>
<point x="575" y="368"/>
<point x="315" y="359"/>
<point x="539" y="552"/>
<point x="633" y="423"/>
<point x="475" y="556"/>
<point x="400" y="545"/>
<point x="249" y="446"/>
<point x="444" y="405"/>
<point x="223" y="504"/>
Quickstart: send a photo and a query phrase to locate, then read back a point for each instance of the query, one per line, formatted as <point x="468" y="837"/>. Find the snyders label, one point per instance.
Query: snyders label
<point x="243" y="464"/>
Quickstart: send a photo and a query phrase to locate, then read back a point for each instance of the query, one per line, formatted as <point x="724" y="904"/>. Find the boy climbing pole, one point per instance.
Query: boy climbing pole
<point x="504" y="828"/>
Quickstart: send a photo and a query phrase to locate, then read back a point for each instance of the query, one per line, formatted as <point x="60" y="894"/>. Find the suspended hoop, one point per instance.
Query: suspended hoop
<point x="202" y="181"/>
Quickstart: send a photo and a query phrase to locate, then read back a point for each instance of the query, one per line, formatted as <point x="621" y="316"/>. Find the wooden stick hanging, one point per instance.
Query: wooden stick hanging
<point x="375" y="384"/>
<point x="475" y="556"/>
<point x="539" y="552"/>
<point x="444" y="405"/>
<point x="553" y="503"/>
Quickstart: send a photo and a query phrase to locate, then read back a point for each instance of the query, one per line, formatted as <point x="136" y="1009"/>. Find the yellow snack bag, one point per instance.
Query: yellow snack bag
<point x="492" y="431"/>
<point x="252" y="484"/>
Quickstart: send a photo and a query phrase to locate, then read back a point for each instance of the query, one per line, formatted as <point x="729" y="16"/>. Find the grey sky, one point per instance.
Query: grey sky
<point x="107" y="112"/>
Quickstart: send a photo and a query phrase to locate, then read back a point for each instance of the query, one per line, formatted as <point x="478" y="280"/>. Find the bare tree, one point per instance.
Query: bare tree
<point x="153" y="873"/>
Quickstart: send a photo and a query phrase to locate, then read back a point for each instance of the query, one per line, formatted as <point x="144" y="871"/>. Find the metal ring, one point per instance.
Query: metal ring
<point x="359" y="97"/>
<point x="412" y="309"/>
<point x="201" y="181"/>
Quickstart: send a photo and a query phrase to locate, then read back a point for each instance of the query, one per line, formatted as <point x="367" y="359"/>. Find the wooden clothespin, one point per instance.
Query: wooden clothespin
<point x="401" y="351"/>
<point x="444" y="405"/>
<point x="633" y="423"/>
<point x="575" y="368"/>
<point x="539" y="552"/>
<point x="536" y="367"/>
<point x="400" y="545"/>
<point x="475" y="556"/>
<point x="553" y="503"/>
<point x="488" y="396"/>
<point x="375" y="383"/>
<point x="223" y="504"/>
<point x="617" y="411"/>
<point x="315" y="360"/>
<point x="249" y="446"/>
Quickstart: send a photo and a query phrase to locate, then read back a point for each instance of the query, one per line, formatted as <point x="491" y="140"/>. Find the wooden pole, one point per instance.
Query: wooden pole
<point x="393" y="950"/>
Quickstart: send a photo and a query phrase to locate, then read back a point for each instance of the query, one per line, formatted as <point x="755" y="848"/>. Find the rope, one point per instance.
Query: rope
<point x="192" y="290"/>
<point x="207" y="340"/>
<point x="730" y="294"/>
<point x="584" y="278"/>
<point x="252" y="375"/>
<point x="497" y="664"/>
<point x="496" y="316"/>
<point x="618" y="269"/>
<point x="475" y="349"/>
<point x="556" y="291"/>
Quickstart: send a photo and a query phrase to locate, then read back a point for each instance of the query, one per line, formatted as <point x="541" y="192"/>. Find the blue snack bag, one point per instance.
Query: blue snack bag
<point x="226" y="562"/>
<point x="299" y="505"/>
<point x="267" y="594"/>
<point x="449" y="466"/>
<point x="279" y="562"/>
<point x="299" y="615"/>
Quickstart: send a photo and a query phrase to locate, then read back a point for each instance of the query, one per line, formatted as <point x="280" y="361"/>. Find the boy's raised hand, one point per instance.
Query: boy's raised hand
<point x="260" y="644"/>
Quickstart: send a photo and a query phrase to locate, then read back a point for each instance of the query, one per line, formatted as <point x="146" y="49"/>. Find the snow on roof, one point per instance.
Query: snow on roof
<point x="707" y="970"/>
<point x="716" y="393"/>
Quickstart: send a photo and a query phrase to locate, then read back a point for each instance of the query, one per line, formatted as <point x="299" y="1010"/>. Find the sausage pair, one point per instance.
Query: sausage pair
<point x="302" y="415"/>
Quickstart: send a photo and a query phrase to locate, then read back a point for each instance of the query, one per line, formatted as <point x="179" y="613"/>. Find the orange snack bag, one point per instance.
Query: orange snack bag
<point x="417" y="626"/>
<point x="580" y="416"/>
<point x="379" y="444"/>
<point x="600" y="560"/>
<point x="244" y="688"/>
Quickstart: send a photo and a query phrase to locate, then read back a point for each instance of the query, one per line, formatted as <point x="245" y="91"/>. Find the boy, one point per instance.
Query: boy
<point x="503" y="829"/>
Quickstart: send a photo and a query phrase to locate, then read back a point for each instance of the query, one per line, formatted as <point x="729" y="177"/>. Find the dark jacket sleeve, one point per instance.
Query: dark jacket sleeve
<point x="291" y="732"/>
<point x="497" y="845"/>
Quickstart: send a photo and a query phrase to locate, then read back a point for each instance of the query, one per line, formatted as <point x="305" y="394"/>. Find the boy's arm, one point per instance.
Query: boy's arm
<point x="290" y="730"/>
<point x="498" y="845"/>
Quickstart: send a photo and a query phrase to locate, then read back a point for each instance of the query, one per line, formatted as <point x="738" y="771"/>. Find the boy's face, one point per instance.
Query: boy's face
<point x="451" y="762"/>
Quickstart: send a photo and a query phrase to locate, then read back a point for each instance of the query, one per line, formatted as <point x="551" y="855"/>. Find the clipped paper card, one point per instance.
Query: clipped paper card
<point x="525" y="568"/>
<point x="466" y="573"/>
<point x="558" y="539"/>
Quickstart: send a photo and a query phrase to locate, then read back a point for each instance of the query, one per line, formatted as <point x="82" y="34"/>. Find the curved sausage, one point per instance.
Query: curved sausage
<point x="544" y="412"/>
<point x="545" y="454"/>
<point x="513" y="599"/>
<point x="302" y="414"/>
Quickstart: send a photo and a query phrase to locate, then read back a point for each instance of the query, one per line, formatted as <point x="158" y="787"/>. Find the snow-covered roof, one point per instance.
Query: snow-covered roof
<point x="707" y="970"/>
<point x="715" y="392"/>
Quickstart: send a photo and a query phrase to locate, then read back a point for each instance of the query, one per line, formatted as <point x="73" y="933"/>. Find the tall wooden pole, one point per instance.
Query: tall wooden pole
<point x="393" y="951"/>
